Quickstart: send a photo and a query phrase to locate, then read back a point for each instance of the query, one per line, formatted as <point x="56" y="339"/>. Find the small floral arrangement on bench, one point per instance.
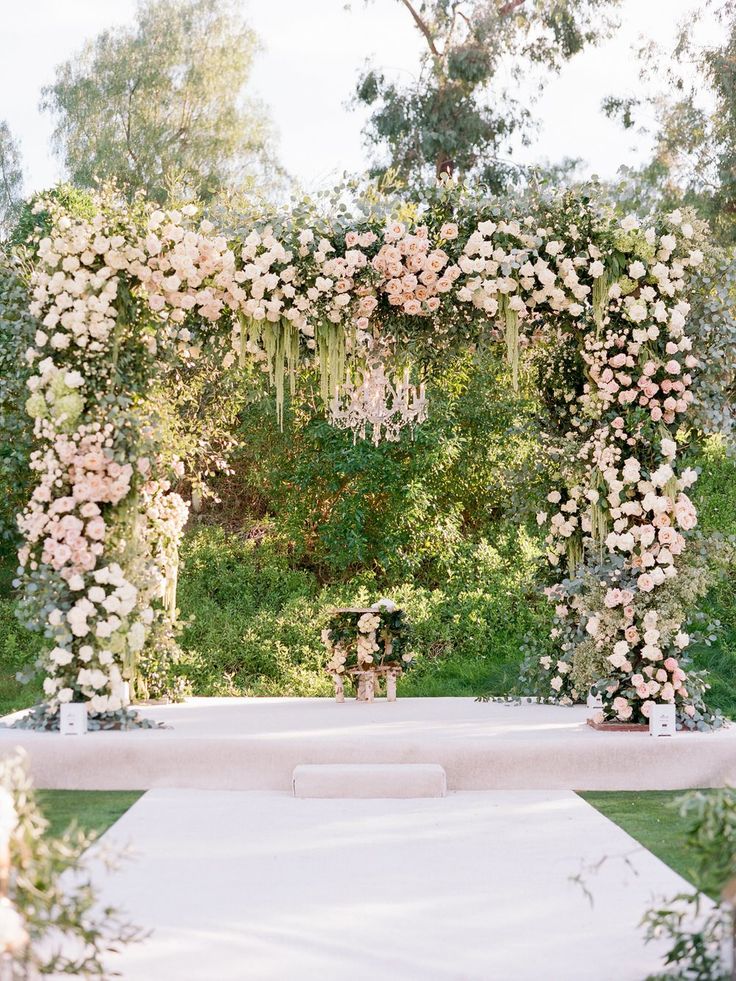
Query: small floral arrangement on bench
<point x="367" y="644"/>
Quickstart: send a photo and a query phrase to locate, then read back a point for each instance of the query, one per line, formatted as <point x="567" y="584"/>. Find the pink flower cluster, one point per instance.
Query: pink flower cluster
<point x="660" y="383"/>
<point x="414" y="276"/>
<point x="70" y="526"/>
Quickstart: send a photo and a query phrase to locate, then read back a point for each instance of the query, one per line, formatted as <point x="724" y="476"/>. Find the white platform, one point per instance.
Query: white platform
<point x="471" y="887"/>
<point x="255" y="743"/>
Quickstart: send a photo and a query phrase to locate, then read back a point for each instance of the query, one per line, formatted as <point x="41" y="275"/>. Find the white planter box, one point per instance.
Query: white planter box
<point x="73" y="719"/>
<point x="662" y="721"/>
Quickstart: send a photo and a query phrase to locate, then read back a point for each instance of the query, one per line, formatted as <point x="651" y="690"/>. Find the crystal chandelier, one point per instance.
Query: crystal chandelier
<point x="386" y="405"/>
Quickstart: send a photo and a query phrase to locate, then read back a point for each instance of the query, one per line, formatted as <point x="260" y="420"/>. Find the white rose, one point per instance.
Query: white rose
<point x="669" y="448"/>
<point x="60" y="656"/>
<point x="13" y="935"/>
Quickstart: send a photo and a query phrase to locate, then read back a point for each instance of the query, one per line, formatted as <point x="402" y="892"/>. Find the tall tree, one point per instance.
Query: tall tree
<point x="458" y="115"/>
<point x="691" y="119"/>
<point x="162" y="102"/>
<point x="11" y="179"/>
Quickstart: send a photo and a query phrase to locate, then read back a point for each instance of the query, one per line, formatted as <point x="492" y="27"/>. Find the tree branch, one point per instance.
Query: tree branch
<point x="129" y="122"/>
<point x="423" y="27"/>
<point x="510" y="7"/>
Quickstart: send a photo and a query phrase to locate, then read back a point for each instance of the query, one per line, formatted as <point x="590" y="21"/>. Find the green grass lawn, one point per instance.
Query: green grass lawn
<point x="650" y="817"/>
<point x="91" y="810"/>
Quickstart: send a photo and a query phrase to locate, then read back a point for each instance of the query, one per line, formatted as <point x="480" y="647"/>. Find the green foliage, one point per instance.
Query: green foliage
<point x="694" y="834"/>
<point x="18" y="650"/>
<point x="713" y="328"/>
<point x="700" y="939"/>
<point x="17" y="329"/>
<point x="160" y="104"/>
<point x="11" y="179"/>
<point x="444" y="120"/>
<point x="255" y="621"/>
<point x="694" y="149"/>
<point x="716" y="501"/>
<point x="53" y="892"/>
<point x="399" y="509"/>
<point x="711" y="820"/>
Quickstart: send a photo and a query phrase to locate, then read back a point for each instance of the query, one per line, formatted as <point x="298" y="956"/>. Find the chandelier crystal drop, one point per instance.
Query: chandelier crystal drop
<point x="387" y="405"/>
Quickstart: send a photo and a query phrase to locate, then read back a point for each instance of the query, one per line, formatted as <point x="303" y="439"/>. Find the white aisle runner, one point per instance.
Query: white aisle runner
<point x="473" y="887"/>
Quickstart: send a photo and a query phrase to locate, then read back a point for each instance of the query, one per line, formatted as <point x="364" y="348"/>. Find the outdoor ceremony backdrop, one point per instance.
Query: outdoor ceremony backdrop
<point x="289" y="523"/>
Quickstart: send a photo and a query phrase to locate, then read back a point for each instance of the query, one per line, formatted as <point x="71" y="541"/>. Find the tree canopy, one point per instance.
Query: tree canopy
<point x="692" y="120"/>
<point x="11" y="178"/>
<point x="162" y="102"/>
<point x="458" y="114"/>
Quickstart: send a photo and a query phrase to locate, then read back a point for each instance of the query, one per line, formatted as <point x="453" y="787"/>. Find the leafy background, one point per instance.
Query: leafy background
<point x="442" y="524"/>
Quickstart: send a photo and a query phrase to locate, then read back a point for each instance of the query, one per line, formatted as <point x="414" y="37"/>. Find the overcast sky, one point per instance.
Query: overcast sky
<point x="306" y="74"/>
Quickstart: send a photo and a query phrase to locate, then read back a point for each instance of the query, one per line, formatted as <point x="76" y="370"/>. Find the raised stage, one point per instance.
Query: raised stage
<point x="255" y="744"/>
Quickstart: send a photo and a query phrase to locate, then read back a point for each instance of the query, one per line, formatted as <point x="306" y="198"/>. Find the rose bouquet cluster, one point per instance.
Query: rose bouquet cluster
<point x="414" y="274"/>
<point x="265" y="288"/>
<point x="628" y="644"/>
<point x="366" y="640"/>
<point x="69" y="528"/>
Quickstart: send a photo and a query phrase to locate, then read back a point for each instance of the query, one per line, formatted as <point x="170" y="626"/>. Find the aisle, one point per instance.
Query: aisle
<point x="473" y="887"/>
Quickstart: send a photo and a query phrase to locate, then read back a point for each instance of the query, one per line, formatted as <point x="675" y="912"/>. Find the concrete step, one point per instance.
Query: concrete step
<point x="369" y="780"/>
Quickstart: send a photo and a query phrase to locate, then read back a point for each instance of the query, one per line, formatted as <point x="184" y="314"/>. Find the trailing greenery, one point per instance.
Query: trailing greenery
<point x="695" y="834"/>
<point x="53" y="921"/>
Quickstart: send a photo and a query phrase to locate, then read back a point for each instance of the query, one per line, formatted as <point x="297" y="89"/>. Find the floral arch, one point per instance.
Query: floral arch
<point x="123" y="290"/>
